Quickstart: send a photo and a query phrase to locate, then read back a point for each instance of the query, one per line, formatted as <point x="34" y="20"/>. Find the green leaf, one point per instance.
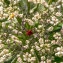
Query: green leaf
<point x="23" y="6"/>
<point x="3" y="20"/>
<point x="60" y="24"/>
<point x="56" y="29"/>
<point x="36" y="25"/>
<point x="27" y="26"/>
<point x="37" y="55"/>
<point x="34" y="9"/>
<point x="19" y="20"/>
<point x="41" y="8"/>
<point x="50" y="1"/>
<point x="58" y="59"/>
<point x="10" y="60"/>
<point x="14" y="60"/>
<point x="51" y="36"/>
<point x="7" y="2"/>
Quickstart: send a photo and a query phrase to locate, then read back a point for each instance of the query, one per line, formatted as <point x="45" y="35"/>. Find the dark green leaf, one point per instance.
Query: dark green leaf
<point x="7" y="2"/>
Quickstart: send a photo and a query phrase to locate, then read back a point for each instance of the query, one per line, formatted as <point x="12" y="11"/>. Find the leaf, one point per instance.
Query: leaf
<point x="36" y="25"/>
<point x="7" y="2"/>
<point x="58" y="59"/>
<point x="3" y="20"/>
<point x="50" y="1"/>
<point x="41" y="8"/>
<point x="51" y="36"/>
<point x="14" y="60"/>
<point x="56" y="28"/>
<point x="27" y="26"/>
<point x="37" y="55"/>
<point x="33" y="9"/>
<point x="10" y="60"/>
<point x="19" y="20"/>
<point x="23" y="6"/>
<point x="55" y="46"/>
<point x="30" y="5"/>
<point x="0" y="25"/>
<point x="60" y="24"/>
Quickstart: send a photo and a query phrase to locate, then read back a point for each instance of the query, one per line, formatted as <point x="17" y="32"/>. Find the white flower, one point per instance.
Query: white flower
<point x="29" y="59"/>
<point x="44" y="3"/>
<point x="41" y="45"/>
<point x="33" y="59"/>
<point x="53" y="42"/>
<point x="20" y="15"/>
<point x="43" y="58"/>
<point x="40" y="26"/>
<point x="2" y="60"/>
<point x="19" y="60"/>
<point x="1" y="46"/>
<point x="27" y="41"/>
<point x="50" y="28"/>
<point x="1" y="9"/>
<point x="53" y="18"/>
<point x="3" y="24"/>
<point x="30" y="22"/>
<point x="51" y="8"/>
<point x="62" y="1"/>
<point x="1" y="3"/>
<point x="26" y="46"/>
<point x="32" y="51"/>
<point x="48" y="60"/>
<point x="41" y="41"/>
<point x="35" y="1"/>
<point x="58" y="6"/>
<point x="57" y="36"/>
<point x="7" y="56"/>
<point x="5" y="15"/>
<point x="15" y="31"/>
<point x="37" y="48"/>
<point x="10" y="27"/>
<point x="29" y="0"/>
<point x="61" y="62"/>
<point x="14" y="37"/>
<point x="0" y="41"/>
<point x="5" y="51"/>
<point x="59" y="54"/>
<point x="60" y="49"/>
<point x="58" y="14"/>
<point x="43" y="62"/>
<point x="35" y="35"/>
<point x="54" y="21"/>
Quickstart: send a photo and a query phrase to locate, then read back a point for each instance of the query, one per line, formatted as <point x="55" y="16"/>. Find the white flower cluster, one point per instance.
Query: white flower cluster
<point x="29" y="58"/>
<point x="59" y="52"/>
<point x="3" y="14"/>
<point x="39" y="1"/>
<point x="5" y="55"/>
<point x="14" y="2"/>
<point x="19" y="60"/>
<point x="31" y="31"/>
<point x="57" y="36"/>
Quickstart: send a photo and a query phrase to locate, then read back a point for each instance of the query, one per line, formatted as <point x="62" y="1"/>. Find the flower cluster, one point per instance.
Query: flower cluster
<point x="31" y="31"/>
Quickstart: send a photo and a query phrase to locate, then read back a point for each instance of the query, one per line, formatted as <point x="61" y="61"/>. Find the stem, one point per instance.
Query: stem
<point x="49" y="1"/>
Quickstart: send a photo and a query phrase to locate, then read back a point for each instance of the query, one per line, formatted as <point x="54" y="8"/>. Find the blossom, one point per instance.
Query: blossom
<point x="11" y="16"/>
<point x="29" y="32"/>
